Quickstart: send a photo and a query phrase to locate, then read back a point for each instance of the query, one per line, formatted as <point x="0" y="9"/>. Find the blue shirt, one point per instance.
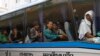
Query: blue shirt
<point x="50" y="35"/>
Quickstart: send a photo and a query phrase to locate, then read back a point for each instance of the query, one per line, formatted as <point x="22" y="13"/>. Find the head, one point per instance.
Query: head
<point x="36" y="26"/>
<point x="50" y="24"/>
<point x="15" y="31"/>
<point x="89" y="15"/>
<point x="4" y="32"/>
<point x="55" y="26"/>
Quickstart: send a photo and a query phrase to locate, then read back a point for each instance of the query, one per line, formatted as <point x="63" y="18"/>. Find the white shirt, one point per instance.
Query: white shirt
<point x="84" y="28"/>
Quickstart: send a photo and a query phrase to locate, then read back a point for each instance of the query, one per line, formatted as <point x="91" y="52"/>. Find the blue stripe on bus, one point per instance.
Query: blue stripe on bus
<point x="53" y="45"/>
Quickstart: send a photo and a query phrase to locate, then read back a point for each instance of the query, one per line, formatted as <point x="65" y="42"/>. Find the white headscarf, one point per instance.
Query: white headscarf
<point x="85" y="25"/>
<point x="91" y="13"/>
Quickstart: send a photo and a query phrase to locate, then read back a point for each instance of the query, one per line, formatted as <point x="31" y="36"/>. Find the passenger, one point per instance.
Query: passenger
<point x="85" y="29"/>
<point x="35" y="33"/>
<point x="67" y="30"/>
<point x="16" y="36"/>
<point x="4" y="36"/>
<point x="50" y="34"/>
<point x="59" y="31"/>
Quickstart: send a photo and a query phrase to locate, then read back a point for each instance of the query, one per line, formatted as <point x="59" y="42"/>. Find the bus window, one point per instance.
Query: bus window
<point x="13" y="25"/>
<point x="55" y="17"/>
<point x="4" y="30"/>
<point x="79" y="15"/>
<point x="34" y="31"/>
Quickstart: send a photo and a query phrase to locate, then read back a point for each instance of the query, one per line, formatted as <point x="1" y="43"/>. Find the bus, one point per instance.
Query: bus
<point x="24" y="27"/>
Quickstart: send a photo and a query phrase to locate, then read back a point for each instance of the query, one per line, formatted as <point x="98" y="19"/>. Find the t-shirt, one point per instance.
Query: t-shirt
<point x="3" y="38"/>
<point x="50" y="35"/>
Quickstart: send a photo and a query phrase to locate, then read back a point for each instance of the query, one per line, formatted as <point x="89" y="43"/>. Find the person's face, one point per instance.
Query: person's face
<point x="15" y="31"/>
<point x="55" y="26"/>
<point x="4" y="32"/>
<point x="37" y="27"/>
<point x="50" y="25"/>
<point x="89" y="18"/>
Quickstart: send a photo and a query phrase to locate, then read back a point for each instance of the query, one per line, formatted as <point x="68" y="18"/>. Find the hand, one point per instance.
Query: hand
<point x="62" y="37"/>
<point x="37" y="34"/>
<point x="40" y="34"/>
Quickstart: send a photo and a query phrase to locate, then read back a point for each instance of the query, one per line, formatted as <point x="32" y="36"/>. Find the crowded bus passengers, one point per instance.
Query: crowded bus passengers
<point x="53" y="35"/>
<point x="51" y="32"/>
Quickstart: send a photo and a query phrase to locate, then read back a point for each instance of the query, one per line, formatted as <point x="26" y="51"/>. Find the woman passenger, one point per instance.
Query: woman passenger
<point x="16" y="36"/>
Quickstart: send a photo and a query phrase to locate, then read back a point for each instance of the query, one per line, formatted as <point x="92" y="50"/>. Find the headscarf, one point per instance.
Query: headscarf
<point x="91" y="13"/>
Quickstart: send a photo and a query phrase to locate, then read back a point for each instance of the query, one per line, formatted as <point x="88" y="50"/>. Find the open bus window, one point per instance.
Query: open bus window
<point x="4" y="31"/>
<point x="80" y="16"/>
<point x="56" y="22"/>
<point x="34" y="31"/>
<point x="11" y="28"/>
<point x="11" y="24"/>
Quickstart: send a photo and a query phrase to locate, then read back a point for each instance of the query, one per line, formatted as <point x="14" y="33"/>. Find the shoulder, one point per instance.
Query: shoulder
<point x="47" y="30"/>
<point x="82" y="23"/>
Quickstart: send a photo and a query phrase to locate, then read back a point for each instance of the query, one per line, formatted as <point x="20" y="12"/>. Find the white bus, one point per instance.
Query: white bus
<point x="22" y="25"/>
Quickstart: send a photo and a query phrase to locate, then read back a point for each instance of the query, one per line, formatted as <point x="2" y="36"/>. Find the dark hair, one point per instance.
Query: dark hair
<point x="35" y="24"/>
<point x="56" y="23"/>
<point x="48" y="22"/>
<point x="14" y="28"/>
